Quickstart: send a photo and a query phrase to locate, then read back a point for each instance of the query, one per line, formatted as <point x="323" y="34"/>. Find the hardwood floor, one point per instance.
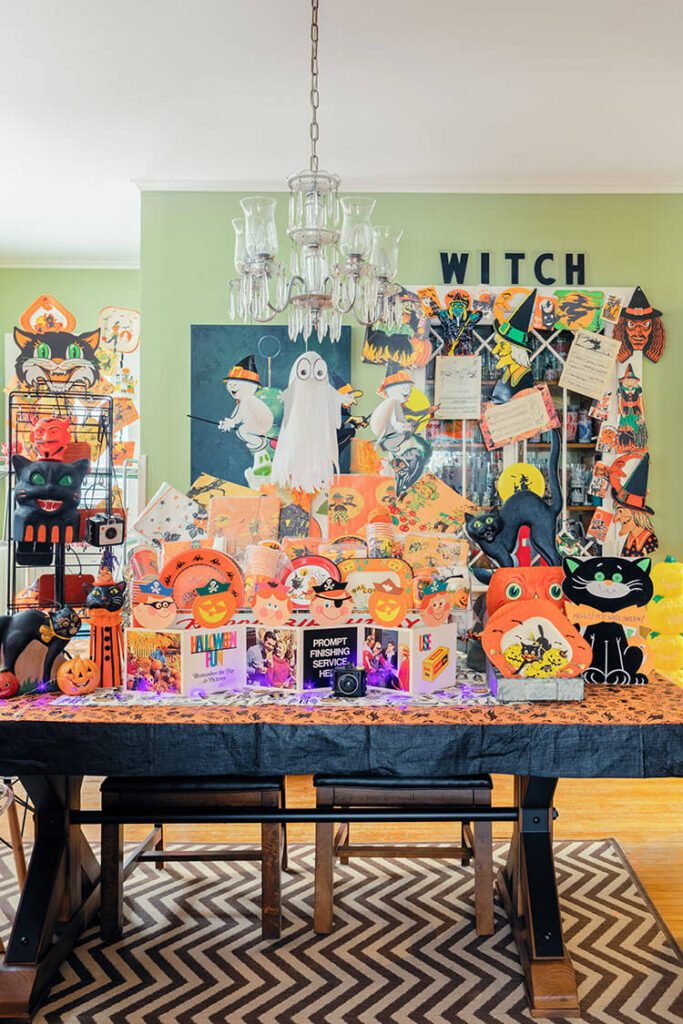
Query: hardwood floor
<point x="645" y="816"/>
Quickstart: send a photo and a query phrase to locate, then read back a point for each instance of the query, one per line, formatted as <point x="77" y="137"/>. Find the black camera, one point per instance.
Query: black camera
<point x="104" y="531"/>
<point x="349" y="682"/>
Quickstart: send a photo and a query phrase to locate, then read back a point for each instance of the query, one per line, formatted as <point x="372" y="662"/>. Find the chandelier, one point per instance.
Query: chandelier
<point x="339" y="262"/>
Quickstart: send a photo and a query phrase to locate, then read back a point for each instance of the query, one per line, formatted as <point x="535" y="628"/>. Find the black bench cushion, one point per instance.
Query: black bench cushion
<point x="405" y="782"/>
<point x="192" y="784"/>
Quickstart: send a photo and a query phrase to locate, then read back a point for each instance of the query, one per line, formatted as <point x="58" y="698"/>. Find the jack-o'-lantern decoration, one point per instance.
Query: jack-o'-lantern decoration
<point x="667" y="652"/>
<point x="9" y="685"/>
<point x="665" y="614"/>
<point x="78" y="675"/>
<point x="388" y="604"/>
<point x="214" y="605"/>
<point x="667" y="578"/>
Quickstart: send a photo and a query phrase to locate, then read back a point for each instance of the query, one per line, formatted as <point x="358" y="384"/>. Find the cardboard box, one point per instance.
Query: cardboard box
<point x="417" y="660"/>
<point x="191" y="661"/>
<point x="298" y="657"/>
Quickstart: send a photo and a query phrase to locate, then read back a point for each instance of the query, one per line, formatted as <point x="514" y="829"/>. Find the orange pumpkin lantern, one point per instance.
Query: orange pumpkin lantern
<point x="214" y="605"/>
<point x="9" y="685"/>
<point x="78" y="675"/>
<point x="389" y="604"/>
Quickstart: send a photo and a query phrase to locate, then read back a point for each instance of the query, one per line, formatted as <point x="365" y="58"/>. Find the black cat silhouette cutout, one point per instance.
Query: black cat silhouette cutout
<point x="610" y="585"/>
<point x="496" y="531"/>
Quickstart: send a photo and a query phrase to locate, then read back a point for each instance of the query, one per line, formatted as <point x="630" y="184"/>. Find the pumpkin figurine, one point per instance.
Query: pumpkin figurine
<point x="389" y="604"/>
<point x="78" y="675"/>
<point x="214" y="605"/>
<point x="667" y="577"/>
<point x="665" y="619"/>
<point x="9" y="685"/>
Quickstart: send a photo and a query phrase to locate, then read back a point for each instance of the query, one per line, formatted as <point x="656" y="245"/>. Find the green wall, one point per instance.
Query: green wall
<point x="83" y="292"/>
<point x="186" y="261"/>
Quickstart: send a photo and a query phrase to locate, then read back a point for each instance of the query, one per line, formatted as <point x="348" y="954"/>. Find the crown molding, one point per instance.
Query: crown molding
<point x="67" y="264"/>
<point x="443" y="187"/>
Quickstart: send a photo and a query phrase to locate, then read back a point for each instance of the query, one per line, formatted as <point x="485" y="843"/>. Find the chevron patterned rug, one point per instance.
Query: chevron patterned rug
<point x="404" y="949"/>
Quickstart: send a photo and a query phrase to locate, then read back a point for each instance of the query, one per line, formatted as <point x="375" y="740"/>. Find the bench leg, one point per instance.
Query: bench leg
<point x="159" y="845"/>
<point x="324" y="868"/>
<point x="483" y="877"/>
<point x="271" y="898"/>
<point x="111" y="881"/>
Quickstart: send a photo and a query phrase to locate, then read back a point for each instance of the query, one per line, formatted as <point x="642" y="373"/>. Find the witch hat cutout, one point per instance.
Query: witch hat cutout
<point x="633" y="494"/>
<point x="629" y="377"/>
<point x="639" y="308"/>
<point x="516" y="328"/>
<point x="245" y="369"/>
<point x="395" y="374"/>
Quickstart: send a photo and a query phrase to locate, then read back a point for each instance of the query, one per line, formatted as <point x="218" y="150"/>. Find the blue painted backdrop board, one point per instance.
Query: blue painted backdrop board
<point x="215" y="348"/>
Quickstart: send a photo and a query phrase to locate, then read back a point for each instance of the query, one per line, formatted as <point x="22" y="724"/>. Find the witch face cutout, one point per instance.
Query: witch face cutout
<point x="640" y="329"/>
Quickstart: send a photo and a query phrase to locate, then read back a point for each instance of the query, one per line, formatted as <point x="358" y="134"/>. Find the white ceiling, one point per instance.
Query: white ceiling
<point x="483" y="95"/>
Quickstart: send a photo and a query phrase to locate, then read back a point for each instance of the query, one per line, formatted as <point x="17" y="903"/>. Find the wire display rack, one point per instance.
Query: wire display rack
<point x="68" y="569"/>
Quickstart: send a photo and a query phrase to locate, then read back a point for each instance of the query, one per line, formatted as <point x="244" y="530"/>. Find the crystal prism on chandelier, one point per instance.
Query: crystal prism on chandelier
<point x="339" y="263"/>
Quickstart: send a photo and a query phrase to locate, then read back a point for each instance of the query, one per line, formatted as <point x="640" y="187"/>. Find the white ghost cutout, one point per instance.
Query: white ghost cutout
<point x="307" y="453"/>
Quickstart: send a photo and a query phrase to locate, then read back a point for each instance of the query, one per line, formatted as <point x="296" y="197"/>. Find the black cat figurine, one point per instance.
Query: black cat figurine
<point x="54" y="631"/>
<point x="610" y="585"/>
<point x="496" y="531"/>
<point x="47" y="494"/>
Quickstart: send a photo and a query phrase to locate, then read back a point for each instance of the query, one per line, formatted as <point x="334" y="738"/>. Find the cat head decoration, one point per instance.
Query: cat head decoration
<point x="525" y="583"/>
<point x="107" y="594"/>
<point x="47" y="494"/>
<point x="57" y="361"/>
<point x="608" y="584"/>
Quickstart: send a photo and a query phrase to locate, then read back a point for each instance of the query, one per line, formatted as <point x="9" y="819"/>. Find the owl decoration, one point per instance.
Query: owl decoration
<point x="307" y="453"/>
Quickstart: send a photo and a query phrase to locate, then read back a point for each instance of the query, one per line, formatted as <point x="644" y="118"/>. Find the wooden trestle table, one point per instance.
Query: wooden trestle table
<point x="621" y="732"/>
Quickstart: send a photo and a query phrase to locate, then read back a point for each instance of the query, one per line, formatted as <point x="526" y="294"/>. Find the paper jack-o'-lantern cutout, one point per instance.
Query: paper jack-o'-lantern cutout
<point x="271" y="603"/>
<point x="214" y="605"/>
<point x="533" y="639"/>
<point x="78" y="675"/>
<point x="330" y="604"/>
<point x="388" y="604"/>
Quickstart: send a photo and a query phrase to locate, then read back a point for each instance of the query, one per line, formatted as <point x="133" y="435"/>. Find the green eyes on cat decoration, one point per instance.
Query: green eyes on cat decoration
<point x="47" y="494"/>
<point x="529" y="632"/>
<point x="607" y="595"/>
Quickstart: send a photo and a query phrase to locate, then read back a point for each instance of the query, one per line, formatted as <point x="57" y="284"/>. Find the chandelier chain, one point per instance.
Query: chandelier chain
<point x="315" y="96"/>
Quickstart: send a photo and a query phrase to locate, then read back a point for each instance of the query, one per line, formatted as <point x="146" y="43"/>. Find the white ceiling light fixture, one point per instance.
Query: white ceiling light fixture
<point x="334" y="268"/>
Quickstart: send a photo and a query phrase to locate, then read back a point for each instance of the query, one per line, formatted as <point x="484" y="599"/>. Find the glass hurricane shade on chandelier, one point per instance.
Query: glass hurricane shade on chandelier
<point x="339" y="262"/>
